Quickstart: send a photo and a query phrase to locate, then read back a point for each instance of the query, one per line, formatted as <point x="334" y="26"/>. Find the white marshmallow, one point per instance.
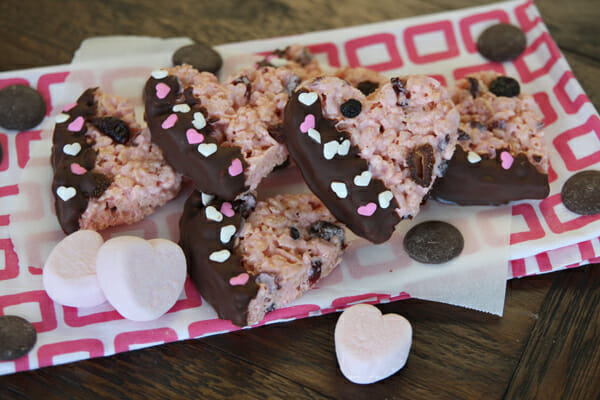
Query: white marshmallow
<point x="141" y="279"/>
<point x="69" y="274"/>
<point x="370" y="346"/>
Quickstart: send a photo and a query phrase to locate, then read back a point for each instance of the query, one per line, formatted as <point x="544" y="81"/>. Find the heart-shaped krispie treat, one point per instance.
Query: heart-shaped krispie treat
<point x="501" y="155"/>
<point x="371" y="160"/>
<point x="218" y="134"/>
<point x="370" y="346"/>
<point x="247" y="259"/>
<point x="106" y="170"/>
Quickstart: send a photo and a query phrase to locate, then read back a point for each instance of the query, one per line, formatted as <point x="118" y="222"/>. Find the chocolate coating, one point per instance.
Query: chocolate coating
<point x="319" y="173"/>
<point x="87" y="185"/>
<point x="199" y="237"/>
<point x="487" y="183"/>
<point x="210" y="174"/>
<point x="433" y="242"/>
<point x="17" y="337"/>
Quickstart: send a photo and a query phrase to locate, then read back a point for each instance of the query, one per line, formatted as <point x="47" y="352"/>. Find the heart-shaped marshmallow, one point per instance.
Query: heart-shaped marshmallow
<point x="72" y="149"/>
<point x="77" y="169"/>
<point x="142" y="279"/>
<point x="219" y="256"/>
<point x="473" y="157"/>
<point x="207" y="149"/>
<point x="308" y="98"/>
<point x="367" y="210"/>
<point x="370" y="346"/>
<point x="69" y="273"/>
<point x="206" y="198"/>
<point x="239" y="280"/>
<point x="213" y="214"/>
<point x="60" y="118"/>
<point x="330" y="149"/>
<point x="385" y="198"/>
<point x="160" y="73"/>
<point x="227" y="209"/>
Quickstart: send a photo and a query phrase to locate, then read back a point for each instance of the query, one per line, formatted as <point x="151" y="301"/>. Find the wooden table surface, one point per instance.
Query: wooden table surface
<point x="546" y="346"/>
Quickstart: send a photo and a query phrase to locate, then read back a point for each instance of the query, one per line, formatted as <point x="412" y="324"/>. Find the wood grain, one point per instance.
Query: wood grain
<point x="545" y="346"/>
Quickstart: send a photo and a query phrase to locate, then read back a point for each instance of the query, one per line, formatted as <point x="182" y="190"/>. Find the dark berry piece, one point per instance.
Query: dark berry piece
<point x="420" y="162"/>
<point x="399" y="86"/>
<point x="113" y="127"/>
<point x="294" y="233"/>
<point x="367" y="87"/>
<point x="315" y="272"/>
<point x="462" y="135"/>
<point x="473" y="86"/>
<point x="326" y="230"/>
<point x="505" y="86"/>
<point x="244" y="205"/>
<point x="351" y="108"/>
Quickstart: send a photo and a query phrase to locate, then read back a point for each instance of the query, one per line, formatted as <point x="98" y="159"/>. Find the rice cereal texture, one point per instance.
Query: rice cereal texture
<point x="403" y="115"/>
<point x="492" y="123"/>
<point x="285" y="255"/>
<point x="141" y="178"/>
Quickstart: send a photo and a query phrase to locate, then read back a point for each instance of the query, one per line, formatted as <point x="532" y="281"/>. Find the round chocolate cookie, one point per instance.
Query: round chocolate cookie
<point x="200" y="56"/>
<point x="581" y="193"/>
<point x="501" y="42"/>
<point x="17" y="337"/>
<point x="21" y="107"/>
<point x="433" y="242"/>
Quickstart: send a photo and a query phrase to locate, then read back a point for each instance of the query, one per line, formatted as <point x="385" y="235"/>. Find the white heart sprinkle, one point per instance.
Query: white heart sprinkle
<point x="199" y="122"/>
<point x="213" y="214"/>
<point x="314" y="135"/>
<point x="206" y="149"/>
<point x="344" y="148"/>
<point x="363" y="179"/>
<point x="340" y="189"/>
<point x="62" y="117"/>
<point x="219" y="256"/>
<point x="278" y="62"/>
<point x="72" y="149"/>
<point x="385" y="198"/>
<point x="160" y="73"/>
<point x="308" y="98"/>
<point x="226" y="233"/>
<point x="66" y="192"/>
<point x="206" y="199"/>
<point x="182" y="108"/>
<point x="330" y="149"/>
<point x="473" y="157"/>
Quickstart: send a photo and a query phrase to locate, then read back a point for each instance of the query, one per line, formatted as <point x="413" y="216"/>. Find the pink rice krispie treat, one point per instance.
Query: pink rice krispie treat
<point x="371" y="160"/>
<point x="364" y="79"/>
<point x="218" y="134"/>
<point x="107" y="172"/>
<point x="247" y="259"/>
<point x="501" y="155"/>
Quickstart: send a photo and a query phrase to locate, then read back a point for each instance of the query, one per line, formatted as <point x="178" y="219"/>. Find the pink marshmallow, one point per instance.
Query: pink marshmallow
<point x="141" y="279"/>
<point x="69" y="274"/>
<point x="370" y="346"/>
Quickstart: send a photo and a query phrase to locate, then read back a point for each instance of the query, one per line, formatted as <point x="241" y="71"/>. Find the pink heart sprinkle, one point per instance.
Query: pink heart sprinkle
<point x="227" y="209"/>
<point x="193" y="136"/>
<point x="309" y="123"/>
<point x="162" y="90"/>
<point x="69" y="107"/>
<point x="76" y="125"/>
<point x="236" y="167"/>
<point x="169" y="122"/>
<point x="78" y="169"/>
<point x="239" y="280"/>
<point x="507" y="159"/>
<point x="367" y="210"/>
